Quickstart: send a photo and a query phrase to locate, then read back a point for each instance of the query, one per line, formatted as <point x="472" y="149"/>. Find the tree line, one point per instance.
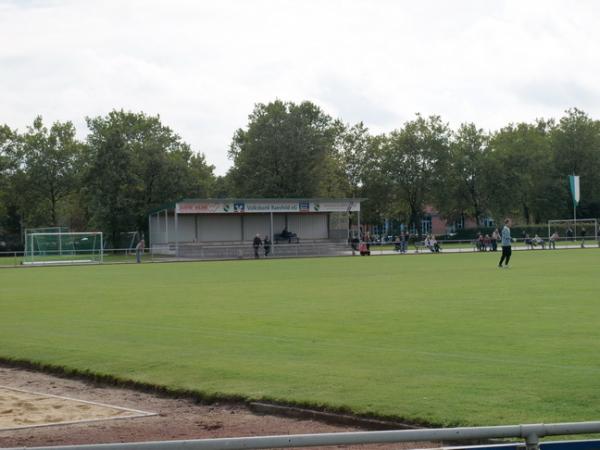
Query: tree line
<point x="131" y="163"/>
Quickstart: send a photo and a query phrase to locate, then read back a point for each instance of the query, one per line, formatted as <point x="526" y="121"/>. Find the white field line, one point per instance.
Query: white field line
<point x="136" y="412"/>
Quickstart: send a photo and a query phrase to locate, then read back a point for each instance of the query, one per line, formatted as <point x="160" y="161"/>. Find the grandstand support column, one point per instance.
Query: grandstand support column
<point x="167" y="227"/>
<point x="176" y="234"/>
<point x="149" y="229"/>
<point x="271" y="233"/>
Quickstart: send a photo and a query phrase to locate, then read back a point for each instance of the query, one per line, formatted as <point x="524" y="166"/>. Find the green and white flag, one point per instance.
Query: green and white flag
<point x="574" y="182"/>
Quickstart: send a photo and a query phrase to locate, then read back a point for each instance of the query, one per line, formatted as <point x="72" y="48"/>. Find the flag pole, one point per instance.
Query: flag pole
<point x="574" y="221"/>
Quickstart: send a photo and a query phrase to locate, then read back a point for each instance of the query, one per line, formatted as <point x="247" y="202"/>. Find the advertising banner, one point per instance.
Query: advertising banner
<point x="254" y="207"/>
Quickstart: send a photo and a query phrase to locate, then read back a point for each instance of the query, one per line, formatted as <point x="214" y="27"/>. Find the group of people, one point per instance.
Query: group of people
<point x="401" y="242"/>
<point x="537" y="241"/>
<point x="257" y="243"/>
<point x="431" y="243"/>
<point x="487" y="242"/>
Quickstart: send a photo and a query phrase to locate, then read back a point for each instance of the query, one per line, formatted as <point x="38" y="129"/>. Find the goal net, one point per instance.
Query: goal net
<point x="570" y="230"/>
<point x="62" y="247"/>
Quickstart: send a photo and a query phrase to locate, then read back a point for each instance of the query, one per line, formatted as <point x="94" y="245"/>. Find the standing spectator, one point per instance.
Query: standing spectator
<point x="553" y="240"/>
<point x="139" y="251"/>
<point x="354" y="241"/>
<point x="582" y="237"/>
<point x="495" y="238"/>
<point x="569" y="233"/>
<point x="267" y="246"/>
<point x="528" y="241"/>
<point x="256" y="243"/>
<point x="403" y="242"/>
<point x="506" y="244"/>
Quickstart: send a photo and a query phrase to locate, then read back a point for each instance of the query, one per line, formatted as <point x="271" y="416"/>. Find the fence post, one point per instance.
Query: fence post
<point x="532" y="442"/>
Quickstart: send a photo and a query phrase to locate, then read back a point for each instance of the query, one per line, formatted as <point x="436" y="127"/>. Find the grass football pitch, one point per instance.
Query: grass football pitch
<point x="436" y="339"/>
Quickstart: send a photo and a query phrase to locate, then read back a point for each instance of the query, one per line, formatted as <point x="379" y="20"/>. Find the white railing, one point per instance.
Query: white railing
<point x="530" y="433"/>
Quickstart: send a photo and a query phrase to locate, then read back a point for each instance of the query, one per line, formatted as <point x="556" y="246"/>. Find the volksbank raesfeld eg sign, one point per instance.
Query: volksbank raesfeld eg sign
<point x="271" y="206"/>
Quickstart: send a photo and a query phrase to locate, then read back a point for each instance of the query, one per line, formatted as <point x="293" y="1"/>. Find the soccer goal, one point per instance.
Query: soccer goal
<point x="570" y="230"/>
<point x="62" y="247"/>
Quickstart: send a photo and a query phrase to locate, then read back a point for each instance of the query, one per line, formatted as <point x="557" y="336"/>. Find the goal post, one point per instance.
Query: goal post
<point x="573" y="230"/>
<point x="63" y="247"/>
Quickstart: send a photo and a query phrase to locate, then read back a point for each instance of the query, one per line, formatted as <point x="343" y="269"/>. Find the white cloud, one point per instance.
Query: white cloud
<point x="202" y="65"/>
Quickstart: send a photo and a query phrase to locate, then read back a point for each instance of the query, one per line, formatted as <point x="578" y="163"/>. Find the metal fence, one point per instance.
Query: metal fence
<point x="192" y="252"/>
<point x="531" y="435"/>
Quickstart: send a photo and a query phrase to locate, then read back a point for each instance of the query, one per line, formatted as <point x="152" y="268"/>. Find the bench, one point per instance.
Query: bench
<point x="287" y="238"/>
<point x="539" y="243"/>
<point x="419" y="245"/>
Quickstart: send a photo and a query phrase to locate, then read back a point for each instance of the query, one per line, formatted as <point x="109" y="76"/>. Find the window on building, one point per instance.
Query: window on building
<point x="488" y="222"/>
<point x="456" y="225"/>
<point x="426" y="225"/>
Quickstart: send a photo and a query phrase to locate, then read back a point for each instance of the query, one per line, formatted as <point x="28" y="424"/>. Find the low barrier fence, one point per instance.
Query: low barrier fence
<point x="531" y="435"/>
<point x="246" y="251"/>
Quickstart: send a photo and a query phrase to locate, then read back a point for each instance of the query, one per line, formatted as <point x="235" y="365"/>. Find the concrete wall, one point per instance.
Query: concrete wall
<point x="187" y="228"/>
<point x="219" y="227"/>
<point x="256" y="223"/>
<point x="161" y="227"/>
<point x="338" y="225"/>
<point x="234" y="227"/>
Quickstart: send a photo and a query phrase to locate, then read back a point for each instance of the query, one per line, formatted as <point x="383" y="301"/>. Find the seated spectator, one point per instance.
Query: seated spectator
<point x="480" y="243"/>
<point x="538" y="241"/>
<point x="363" y="248"/>
<point x="433" y="244"/>
<point x="397" y="244"/>
<point x="528" y="241"/>
<point x="427" y="242"/>
<point x="487" y="242"/>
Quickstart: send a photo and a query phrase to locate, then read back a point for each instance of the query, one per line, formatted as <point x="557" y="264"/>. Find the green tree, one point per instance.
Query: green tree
<point x="576" y="151"/>
<point x="137" y="164"/>
<point x="51" y="161"/>
<point x="519" y="176"/>
<point x="9" y="162"/>
<point x="460" y="188"/>
<point x="412" y="161"/>
<point x="287" y="150"/>
<point x="355" y="147"/>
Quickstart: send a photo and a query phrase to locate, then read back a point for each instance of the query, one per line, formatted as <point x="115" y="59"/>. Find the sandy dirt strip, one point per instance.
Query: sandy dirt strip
<point x="37" y="409"/>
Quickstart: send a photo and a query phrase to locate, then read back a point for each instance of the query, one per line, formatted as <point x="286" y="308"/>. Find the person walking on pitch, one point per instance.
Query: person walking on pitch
<point x="506" y="244"/>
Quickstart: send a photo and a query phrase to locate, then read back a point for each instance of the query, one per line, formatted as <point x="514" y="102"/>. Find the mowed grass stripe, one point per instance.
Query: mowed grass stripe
<point x="444" y="339"/>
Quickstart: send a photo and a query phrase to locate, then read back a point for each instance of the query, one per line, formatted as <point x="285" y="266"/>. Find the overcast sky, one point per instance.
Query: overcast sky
<point x="202" y="65"/>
